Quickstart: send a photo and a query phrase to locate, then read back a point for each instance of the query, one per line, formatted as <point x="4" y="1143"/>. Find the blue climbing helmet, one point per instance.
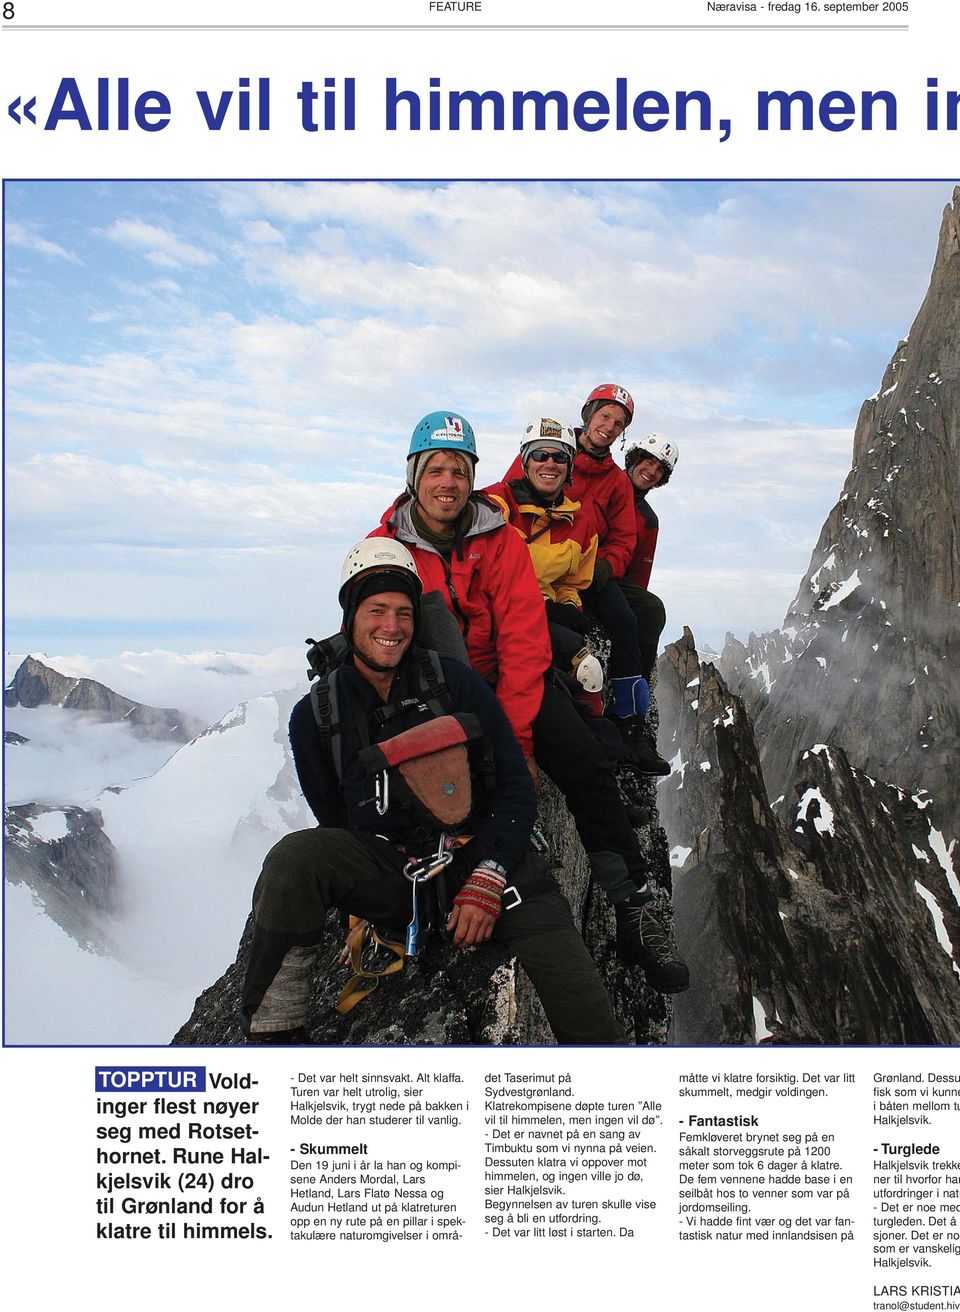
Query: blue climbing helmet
<point x="439" y="432"/>
<point x="443" y="432"/>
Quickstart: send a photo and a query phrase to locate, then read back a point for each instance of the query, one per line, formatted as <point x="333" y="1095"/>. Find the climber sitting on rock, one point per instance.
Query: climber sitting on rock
<point x="649" y="464"/>
<point x="562" y="542"/>
<point x="469" y="812"/>
<point x="604" y="491"/>
<point x="464" y="549"/>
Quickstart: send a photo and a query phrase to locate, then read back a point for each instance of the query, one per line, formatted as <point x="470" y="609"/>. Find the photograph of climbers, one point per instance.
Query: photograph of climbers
<point x="620" y="519"/>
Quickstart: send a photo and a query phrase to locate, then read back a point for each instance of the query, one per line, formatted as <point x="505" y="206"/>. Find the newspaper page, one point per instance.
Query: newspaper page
<point x="245" y="249"/>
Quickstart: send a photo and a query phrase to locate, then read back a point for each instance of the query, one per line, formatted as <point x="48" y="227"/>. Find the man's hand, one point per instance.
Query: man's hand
<point x="569" y="615"/>
<point x="476" y="908"/>
<point x="602" y="573"/>
<point x="470" y="925"/>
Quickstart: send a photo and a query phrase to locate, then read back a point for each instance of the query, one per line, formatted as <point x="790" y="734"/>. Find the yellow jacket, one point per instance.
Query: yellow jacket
<point x="562" y="539"/>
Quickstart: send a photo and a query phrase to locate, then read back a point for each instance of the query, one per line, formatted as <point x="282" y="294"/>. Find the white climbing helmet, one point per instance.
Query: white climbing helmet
<point x="381" y="556"/>
<point x="543" y="430"/>
<point x="664" y="448"/>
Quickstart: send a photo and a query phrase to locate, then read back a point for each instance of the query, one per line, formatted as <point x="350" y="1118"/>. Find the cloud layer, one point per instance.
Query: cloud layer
<point x="211" y="386"/>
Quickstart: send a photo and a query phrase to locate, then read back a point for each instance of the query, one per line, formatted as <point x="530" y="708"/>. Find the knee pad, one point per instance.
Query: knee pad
<point x="631" y="696"/>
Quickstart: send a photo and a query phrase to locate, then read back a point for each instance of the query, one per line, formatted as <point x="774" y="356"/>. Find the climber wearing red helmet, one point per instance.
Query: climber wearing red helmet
<point x="606" y="494"/>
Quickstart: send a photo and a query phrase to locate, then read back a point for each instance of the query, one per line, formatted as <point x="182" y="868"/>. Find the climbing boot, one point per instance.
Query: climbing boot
<point x="291" y="1038"/>
<point x="643" y="941"/>
<point x="638" y="814"/>
<point x="640" y="747"/>
<point x="281" y="1014"/>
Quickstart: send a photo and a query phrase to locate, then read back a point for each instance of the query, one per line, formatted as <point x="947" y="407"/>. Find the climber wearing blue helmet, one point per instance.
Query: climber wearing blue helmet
<point x="443" y="432"/>
<point x="480" y="565"/>
<point x="440" y="465"/>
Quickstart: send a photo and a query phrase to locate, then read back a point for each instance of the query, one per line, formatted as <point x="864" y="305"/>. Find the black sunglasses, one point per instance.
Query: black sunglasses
<point x="541" y="456"/>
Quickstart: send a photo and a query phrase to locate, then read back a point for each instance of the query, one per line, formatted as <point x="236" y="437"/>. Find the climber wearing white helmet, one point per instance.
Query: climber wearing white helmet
<point x="649" y="464"/>
<point x="562" y="541"/>
<point x="380" y="706"/>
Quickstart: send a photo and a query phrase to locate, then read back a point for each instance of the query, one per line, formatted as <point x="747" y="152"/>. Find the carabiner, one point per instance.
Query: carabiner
<point x="381" y="792"/>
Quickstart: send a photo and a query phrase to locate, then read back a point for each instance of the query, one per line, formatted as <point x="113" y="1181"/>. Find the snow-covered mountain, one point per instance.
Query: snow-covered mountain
<point x="36" y="684"/>
<point x="834" y="918"/>
<point x="181" y="844"/>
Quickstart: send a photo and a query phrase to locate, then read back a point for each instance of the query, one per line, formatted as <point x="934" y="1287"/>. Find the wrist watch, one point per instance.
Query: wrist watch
<point x="489" y="864"/>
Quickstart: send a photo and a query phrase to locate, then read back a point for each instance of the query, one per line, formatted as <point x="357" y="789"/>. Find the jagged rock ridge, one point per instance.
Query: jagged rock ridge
<point x="868" y="658"/>
<point x="36" y="684"/>
<point x="64" y="856"/>
<point x="836" y="926"/>
<point x="450" y="997"/>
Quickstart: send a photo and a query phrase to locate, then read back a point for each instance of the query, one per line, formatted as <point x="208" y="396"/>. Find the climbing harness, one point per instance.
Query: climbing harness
<point x="425" y="771"/>
<point x="419" y="870"/>
<point x="362" y="936"/>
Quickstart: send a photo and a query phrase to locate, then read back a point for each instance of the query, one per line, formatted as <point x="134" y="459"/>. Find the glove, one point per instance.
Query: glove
<point x="602" y="573"/>
<point x="570" y="616"/>
<point x="483" y="889"/>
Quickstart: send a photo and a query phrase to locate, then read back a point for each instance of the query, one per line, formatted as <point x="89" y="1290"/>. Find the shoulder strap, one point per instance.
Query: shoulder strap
<point x="325" y="700"/>
<point x="323" y="663"/>
<point x="430" y="688"/>
<point x="433" y="685"/>
<point x="427" y="688"/>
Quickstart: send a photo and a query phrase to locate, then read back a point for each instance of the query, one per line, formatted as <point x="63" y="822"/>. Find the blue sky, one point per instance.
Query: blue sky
<point x="211" y="386"/>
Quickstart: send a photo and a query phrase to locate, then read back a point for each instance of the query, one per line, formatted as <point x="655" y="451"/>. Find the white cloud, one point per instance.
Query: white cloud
<point x="230" y="421"/>
<point x="137" y="508"/>
<point x="205" y="684"/>
<point x="259" y="231"/>
<point x="157" y="244"/>
<point x="17" y="235"/>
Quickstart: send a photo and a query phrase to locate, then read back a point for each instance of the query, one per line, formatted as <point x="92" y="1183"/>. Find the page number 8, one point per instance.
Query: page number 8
<point x="8" y="10"/>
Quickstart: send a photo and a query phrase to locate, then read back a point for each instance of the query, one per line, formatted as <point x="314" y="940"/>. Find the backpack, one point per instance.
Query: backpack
<point x="427" y="768"/>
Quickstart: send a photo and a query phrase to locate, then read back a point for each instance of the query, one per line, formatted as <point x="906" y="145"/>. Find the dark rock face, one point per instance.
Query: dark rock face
<point x="12" y="739"/>
<point x="868" y="658"/>
<point x="69" y="862"/>
<point x="35" y="684"/>
<point x="452" y="997"/>
<point x="830" y="916"/>
<point x="836" y="925"/>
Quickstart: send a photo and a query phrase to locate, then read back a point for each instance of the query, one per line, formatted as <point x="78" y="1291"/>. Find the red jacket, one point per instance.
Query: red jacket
<point x="490" y="587"/>
<point x="603" y="488"/>
<point x="648" y="526"/>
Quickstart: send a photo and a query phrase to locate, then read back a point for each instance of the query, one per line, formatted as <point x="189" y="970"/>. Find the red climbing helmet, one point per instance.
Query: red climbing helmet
<point x="603" y="395"/>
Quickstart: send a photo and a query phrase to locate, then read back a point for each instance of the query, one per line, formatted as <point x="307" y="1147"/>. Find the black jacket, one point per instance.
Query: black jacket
<point x="505" y="819"/>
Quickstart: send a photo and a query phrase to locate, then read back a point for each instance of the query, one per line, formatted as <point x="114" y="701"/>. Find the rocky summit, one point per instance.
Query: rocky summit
<point x="36" y="684"/>
<point x="453" y="997"/>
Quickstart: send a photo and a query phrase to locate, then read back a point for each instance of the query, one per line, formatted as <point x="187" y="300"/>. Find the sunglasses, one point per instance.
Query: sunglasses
<point x="541" y="456"/>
